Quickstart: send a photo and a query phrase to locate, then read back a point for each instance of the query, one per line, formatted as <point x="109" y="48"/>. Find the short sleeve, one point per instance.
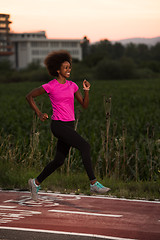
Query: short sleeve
<point x="75" y="86"/>
<point x="46" y="87"/>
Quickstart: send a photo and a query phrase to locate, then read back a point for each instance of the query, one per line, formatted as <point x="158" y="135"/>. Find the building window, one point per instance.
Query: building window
<point x="69" y="44"/>
<point x="23" y="44"/>
<point x="3" y="44"/>
<point x="3" y="18"/>
<point x="74" y="44"/>
<point x="2" y="30"/>
<point x="65" y="44"/>
<point x="36" y="60"/>
<point x="74" y="52"/>
<point x="54" y="44"/>
<point x="3" y="49"/>
<point x="39" y="44"/>
<point x="3" y="25"/>
<point x="35" y="52"/>
<point x="40" y="52"/>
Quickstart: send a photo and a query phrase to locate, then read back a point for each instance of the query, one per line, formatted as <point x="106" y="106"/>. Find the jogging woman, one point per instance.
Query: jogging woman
<point x="61" y="93"/>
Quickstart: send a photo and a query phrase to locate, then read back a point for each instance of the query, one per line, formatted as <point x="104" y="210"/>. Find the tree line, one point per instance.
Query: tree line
<point x="102" y="60"/>
<point x="117" y="61"/>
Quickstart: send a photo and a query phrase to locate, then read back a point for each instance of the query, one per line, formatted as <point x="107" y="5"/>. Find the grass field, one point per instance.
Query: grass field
<point x="122" y="124"/>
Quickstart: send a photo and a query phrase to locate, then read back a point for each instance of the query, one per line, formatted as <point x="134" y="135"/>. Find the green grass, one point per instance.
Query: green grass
<point x="131" y="157"/>
<point x="17" y="178"/>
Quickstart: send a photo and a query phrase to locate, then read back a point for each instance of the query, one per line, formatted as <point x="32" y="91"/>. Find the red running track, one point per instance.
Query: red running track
<point x="97" y="216"/>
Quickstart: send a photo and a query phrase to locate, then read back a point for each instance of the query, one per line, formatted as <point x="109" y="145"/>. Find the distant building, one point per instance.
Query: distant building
<point x="34" y="47"/>
<point x="5" y="43"/>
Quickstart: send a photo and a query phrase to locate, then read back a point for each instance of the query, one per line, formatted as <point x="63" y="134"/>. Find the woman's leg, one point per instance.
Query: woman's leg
<point x="61" y="153"/>
<point x="68" y="135"/>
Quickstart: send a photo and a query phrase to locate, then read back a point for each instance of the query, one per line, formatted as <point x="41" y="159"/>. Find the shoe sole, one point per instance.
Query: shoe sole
<point x="30" y="188"/>
<point x="94" y="191"/>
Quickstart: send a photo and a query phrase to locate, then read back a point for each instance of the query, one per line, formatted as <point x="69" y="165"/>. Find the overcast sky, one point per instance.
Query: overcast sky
<point x="96" y="19"/>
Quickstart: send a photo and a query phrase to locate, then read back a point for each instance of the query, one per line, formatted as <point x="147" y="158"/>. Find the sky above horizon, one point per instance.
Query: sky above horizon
<point x="96" y="19"/>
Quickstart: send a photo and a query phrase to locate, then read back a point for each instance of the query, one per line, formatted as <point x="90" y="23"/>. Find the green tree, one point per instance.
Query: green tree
<point x="131" y="51"/>
<point x="5" y="66"/>
<point x="155" y="52"/>
<point x="97" y="52"/>
<point x="85" y="47"/>
<point x="118" y="50"/>
<point x="33" y="66"/>
<point x="115" y="69"/>
<point x="143" y="52"/>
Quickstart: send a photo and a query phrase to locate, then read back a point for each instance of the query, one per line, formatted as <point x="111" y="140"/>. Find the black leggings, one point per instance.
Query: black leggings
<point x="67" y="137"/>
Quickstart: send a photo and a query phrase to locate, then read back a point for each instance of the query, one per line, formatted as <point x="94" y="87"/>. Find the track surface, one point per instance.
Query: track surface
<point x="80" y="217"/>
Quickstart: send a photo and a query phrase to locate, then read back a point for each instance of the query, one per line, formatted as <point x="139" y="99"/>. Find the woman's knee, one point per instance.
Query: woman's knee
<point x="86" y="146"/>
<point x="56" y="163"/>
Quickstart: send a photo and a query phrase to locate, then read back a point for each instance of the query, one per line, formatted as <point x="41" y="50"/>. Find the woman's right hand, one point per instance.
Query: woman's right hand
<point x="30" y="98"/>
<point x="86" y="85"/>
<point x="43" y="116"/>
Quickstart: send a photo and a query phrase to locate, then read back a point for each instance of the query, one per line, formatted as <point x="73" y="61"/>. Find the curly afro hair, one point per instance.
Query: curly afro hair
<point x="54" y="61"/>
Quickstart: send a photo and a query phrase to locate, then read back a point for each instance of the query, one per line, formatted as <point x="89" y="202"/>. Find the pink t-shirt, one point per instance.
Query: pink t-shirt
<point x="62" y="99"/>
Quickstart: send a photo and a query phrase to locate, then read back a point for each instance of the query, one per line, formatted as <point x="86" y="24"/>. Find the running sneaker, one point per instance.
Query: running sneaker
<point x="98" y="188"/>
<point x="34" y="189"/>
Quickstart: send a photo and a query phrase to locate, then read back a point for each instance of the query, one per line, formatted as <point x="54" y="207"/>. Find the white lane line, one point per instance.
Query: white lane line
<point x="86" y="213"/>
<point x="10" y="200"/>
<point x="9" y="219"/>
<point x="66" y="233"/>
<point x="23" y="211"/>
<point x="30" y="203"/>
<point x="97" y="197"/>
<point x="5" y="221"/>
<point x="10" y="207"/>
<point x="9" y="215"/>
<point x="84" y="196"/>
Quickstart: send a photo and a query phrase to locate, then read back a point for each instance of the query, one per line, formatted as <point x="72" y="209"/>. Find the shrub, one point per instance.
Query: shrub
<point x="121" y="69"/>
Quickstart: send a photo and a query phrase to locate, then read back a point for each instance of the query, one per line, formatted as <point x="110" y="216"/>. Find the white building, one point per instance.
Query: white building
<point x="31" y="47"/>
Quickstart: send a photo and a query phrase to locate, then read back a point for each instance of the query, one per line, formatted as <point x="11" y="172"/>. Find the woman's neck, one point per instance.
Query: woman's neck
<point x="61" y="79"/>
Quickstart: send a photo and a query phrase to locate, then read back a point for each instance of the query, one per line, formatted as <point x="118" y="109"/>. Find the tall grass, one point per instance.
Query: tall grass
<point x="126" y="161"/>
<point x="125" y="145"/>
<point x="116" y="158"/>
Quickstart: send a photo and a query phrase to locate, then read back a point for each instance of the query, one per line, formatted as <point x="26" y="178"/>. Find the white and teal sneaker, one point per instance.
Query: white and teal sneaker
<point x="98" y="188"/>
<point x="34" y="189"/>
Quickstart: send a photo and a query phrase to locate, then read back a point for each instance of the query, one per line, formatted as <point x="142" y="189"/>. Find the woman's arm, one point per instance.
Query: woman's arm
<point x="84" y="101"/>
<point x="30" y="98"/>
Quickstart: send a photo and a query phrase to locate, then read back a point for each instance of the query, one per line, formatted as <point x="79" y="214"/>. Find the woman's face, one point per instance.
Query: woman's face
<point x="65" y="69"/>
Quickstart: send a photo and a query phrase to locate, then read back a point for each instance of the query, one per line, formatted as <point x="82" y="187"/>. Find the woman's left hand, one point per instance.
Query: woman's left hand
<point x="86" y="85"/>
